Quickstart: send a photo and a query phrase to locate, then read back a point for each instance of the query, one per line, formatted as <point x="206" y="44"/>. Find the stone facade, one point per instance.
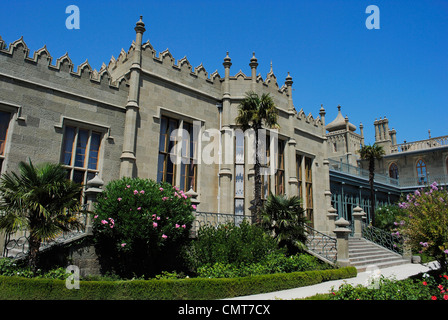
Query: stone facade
<point x="126" y="101"/>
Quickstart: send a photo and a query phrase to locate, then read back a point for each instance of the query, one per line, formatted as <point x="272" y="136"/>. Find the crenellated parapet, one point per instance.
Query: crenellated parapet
<point x="42" y="57"/>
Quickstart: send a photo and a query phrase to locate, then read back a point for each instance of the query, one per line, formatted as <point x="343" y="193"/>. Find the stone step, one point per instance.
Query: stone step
<point x="363" y="253"/>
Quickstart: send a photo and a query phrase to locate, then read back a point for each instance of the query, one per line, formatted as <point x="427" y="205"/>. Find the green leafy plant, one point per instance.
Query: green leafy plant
<point x="425" y="223"/>
<point x="140" y="226"/>
<point x="283" y="217"/>
<point x="386" y="217"/>
<point x="230" y="244"/>
<point x="41" y="200"/>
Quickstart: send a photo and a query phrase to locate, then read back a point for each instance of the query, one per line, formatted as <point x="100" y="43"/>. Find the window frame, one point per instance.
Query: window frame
<point x="72" y="167"/>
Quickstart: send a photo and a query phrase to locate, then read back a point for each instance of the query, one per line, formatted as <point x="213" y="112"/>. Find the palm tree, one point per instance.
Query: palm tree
<point x="254" y="112"/>
<point x="284" y="218"/>
<point x="371" y="153"/>
<point x="40" y="200"/>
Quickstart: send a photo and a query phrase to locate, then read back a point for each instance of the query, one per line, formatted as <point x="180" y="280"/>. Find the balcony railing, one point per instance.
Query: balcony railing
<point x="420" y="145"/>
<point x="362" y="173"/>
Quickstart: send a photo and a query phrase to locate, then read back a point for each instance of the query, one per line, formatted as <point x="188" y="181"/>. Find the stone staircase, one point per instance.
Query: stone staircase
<point x="364" y="253"/>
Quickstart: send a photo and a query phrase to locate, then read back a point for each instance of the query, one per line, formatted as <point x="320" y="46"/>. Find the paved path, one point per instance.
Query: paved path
<point x="399" y="272"/>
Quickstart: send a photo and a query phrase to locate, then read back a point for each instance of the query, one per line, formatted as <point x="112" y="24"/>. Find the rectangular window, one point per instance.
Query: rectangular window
<point x="80" y="144"/>
<point x="166" y="167"/>
<point x="299" y="174"/>
<point x="189" y="152"/>
<point x="265" y="163"/>
<point x="309" y="188"/>
<point x="5" y="118"/>
<point x="280" y="173"/>
<point x="239" y="173"/>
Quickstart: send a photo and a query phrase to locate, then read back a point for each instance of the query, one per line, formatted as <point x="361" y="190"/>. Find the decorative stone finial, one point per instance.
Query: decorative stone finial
<point x="288" y="81"/>
<point x="227" y="60"/>
<point x="253" y="61"/>
<point x="140" y="26"/>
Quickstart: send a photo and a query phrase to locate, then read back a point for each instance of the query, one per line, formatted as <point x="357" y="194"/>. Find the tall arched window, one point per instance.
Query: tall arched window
<point x="421" y="172"/>
<point x="393" y="171"/>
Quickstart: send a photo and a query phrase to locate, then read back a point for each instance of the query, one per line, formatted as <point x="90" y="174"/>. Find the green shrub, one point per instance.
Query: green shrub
<point x="140" y="226"/>
<point x="19" y="268"/>
<point x="274" y="263"/>
<point x="230" y="244"/>
<point x="387" y="216"/>
<point x="164" y="289"/>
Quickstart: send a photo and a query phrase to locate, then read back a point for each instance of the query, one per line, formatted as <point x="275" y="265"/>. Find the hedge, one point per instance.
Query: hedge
<point x="17" y="288"/>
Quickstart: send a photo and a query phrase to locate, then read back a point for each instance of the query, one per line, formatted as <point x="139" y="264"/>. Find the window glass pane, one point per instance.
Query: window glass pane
<point x="239" y="207"/>
<point x="4" y="123"/>
<point x="69" y="138"/>
<point x="81" y="146"/>
<point x="239" y="147"/>
<point x="163" y="130"/>
<point x="172" y="126"/>
<point x="169" y="171"/>
<point x="78" y="176"/>
<point x="239" y="181"/>
<point x="95" y="141"/>
<point x="160" y="166"/>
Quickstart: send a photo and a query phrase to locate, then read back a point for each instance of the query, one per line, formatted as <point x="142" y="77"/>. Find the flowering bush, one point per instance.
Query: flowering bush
<point x="139" y="226"/>
<point x="425" y="223"/>
<point x="427" y="288"/>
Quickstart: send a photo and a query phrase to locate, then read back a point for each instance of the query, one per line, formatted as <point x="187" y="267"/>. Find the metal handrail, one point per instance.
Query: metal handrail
<point x="388" y="240"/>
<point x="322" y="245"/>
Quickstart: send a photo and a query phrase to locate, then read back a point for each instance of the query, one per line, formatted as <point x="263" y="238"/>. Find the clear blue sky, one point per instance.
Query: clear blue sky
<point x="399" y="71"/>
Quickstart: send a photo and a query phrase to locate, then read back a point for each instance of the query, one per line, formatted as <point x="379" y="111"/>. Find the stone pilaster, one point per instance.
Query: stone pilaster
<point x="128" y="158"/>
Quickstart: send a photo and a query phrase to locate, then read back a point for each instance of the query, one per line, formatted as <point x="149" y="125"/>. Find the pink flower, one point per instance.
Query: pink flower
<point x="104" y="222"/>
<point x="158" y="218"/>
<point x="164" y="198"/>
<point x="164" y="236"/>
<point x="139" y="208"/>
<point x="184" y="226"/>
<point x="177" y="226"/>
<point x="142" y="191"/>
<point x="161" y="189"/>
<point x="123" y="244"/>
<point x="119" y="199"/>
<point x="135" y="191"/>
<point x="128" y="186"/>
<point x="193" y="206"/>
<point x="96" y="216"/>
<point x="154" y="224"/>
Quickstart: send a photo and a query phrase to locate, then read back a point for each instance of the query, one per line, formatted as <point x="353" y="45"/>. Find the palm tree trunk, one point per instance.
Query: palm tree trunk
<point x="34" y="245"/>
<point x="372" y="189"/>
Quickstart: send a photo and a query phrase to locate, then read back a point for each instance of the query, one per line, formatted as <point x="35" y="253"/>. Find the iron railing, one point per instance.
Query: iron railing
<point x="388" y="240"/>
<point x="16" y="244"/>
<point x="322" y="245"/>
<point x="215" y="219"/>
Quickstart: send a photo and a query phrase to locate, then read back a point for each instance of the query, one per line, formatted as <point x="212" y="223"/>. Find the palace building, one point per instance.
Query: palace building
<point x="120" y="121"/>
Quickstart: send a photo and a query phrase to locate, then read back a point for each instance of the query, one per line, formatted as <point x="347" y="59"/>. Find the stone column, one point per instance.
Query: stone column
<point x="332" y="216"/>
<point x="253" y="66"/>
<point x="225" y="172"/>
<point x="290" y="152"/>
<point x="342" y="233"/>
<point x="358" y="216"/>
<point x="93" y="189"/>
<point x="130" y="129"/>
